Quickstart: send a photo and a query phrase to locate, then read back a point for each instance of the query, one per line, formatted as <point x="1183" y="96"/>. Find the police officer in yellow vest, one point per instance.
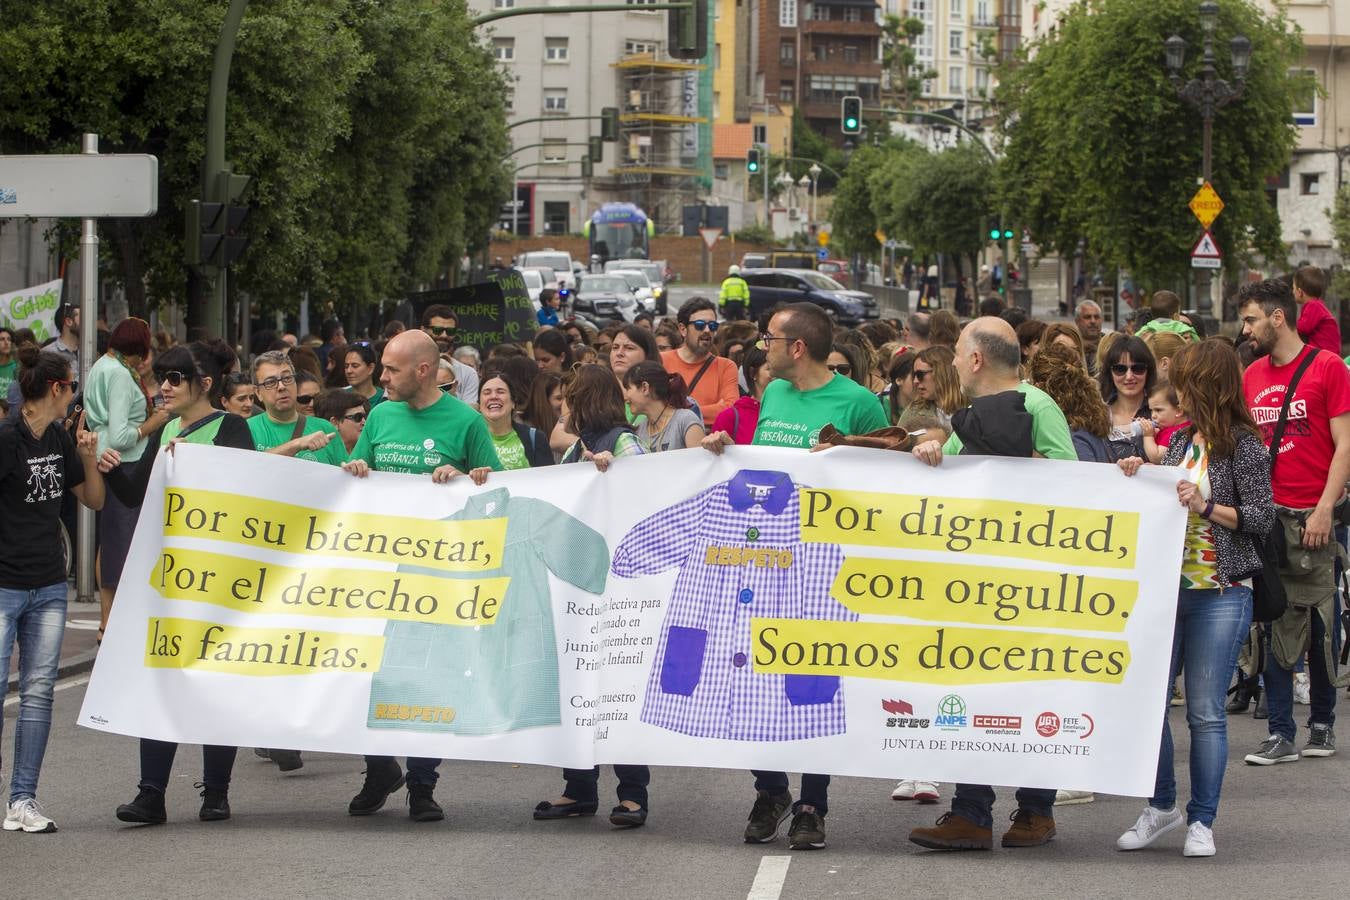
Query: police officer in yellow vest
<point x="734" y="296"/>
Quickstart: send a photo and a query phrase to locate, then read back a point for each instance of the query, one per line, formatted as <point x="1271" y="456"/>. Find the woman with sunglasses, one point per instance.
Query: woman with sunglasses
<point x="39" y="462"/>
<point x="118" y="410"/>
<point x="239" y="396"/>
<point x="937" y="391"/>
<point x="1127" y="377"/>
<point x="362" y="369"/>
<point x="307" y="387"/>
<point x="190" y="378"/>
<point x="344" y="411"/>
<point x="843" y="360"/>
<point x="519" y="445"/>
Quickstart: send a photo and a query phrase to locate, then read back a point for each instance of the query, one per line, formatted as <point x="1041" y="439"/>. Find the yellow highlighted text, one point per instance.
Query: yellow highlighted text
<point x="209" y="647"/>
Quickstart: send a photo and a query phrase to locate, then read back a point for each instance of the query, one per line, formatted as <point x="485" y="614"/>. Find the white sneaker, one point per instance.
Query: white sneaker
<point x="1302" y="689"/>
<point x="1151" y="825"/>
<point x="904" y="790"/>
<point x="24" y="815"/>
<point x="1199" y="841"/>
<point x="1073" y="798"/>
<point x="926" y="791"/>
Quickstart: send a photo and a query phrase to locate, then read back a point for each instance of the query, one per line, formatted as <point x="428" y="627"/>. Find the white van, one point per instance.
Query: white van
<point x="560" y="261"/>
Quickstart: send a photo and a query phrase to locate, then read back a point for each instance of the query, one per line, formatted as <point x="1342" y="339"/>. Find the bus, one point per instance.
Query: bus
<point x="618" y="231"/>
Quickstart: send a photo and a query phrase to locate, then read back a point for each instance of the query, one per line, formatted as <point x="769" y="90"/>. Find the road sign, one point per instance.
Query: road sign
<point x="1206" y="205"/>
<point x="710" y="236"/>
<point x="1206" y="262"/>
<point x="1206" y="253"/>
<point x="823" y="238"/>
<point x="79" y="185"/>
<point x="822" y="254"/>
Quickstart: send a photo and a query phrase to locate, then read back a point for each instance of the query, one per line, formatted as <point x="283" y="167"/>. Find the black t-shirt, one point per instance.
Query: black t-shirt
<point x="35" y="473"/>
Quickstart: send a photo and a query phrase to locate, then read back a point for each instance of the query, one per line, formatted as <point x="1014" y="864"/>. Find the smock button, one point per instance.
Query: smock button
<point x="752" y="534"/>
<point x="746" y="595"/>
<point x="738" y="660"/>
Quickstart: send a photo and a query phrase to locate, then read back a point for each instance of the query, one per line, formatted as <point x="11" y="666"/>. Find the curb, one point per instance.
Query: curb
<point x="75" y="665"/>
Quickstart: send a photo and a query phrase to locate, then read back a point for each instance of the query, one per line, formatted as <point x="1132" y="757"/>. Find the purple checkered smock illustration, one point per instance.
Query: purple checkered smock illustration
<point x="739" y="549"/>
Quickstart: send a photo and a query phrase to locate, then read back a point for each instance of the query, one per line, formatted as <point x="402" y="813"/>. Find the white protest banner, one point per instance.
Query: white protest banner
<point x="34" y="308"/>
<point x="850" y="612"/>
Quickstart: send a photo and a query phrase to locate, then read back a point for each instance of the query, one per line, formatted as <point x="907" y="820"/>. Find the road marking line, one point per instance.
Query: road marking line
<point x="63" y="685"/>
<point x="769" y="879"/>
<point x="82" y="624"/>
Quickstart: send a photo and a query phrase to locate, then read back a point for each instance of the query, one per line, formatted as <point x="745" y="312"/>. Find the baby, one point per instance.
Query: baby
<point x="1166" y="419"/>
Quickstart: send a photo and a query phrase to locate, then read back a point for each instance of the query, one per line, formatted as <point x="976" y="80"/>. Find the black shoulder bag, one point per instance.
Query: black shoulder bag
<point x="1269" y="600"/>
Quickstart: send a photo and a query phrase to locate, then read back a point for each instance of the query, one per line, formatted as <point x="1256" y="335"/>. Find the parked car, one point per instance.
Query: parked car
<point x="754" y="261"/>
<point x="560" y="261"/>
<point x="656" y="275"/>
<point x="770" y="287"/>
<point x="534" y="284"/>
<point x="641" y="287"/>
<point x="605" y="297"/>
<point x="838" y="269"/>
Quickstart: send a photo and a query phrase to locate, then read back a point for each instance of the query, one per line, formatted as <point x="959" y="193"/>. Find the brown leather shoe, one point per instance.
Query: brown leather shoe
<point x="1029" y="830"/>
<point x="954" y="833"/>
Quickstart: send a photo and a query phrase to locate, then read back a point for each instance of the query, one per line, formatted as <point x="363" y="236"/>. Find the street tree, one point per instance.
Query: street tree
<point x="1100" y="147"/>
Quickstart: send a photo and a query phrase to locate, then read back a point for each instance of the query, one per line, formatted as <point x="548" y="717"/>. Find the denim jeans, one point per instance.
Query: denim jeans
<point x="1210" y="628"/>
<point x="1280" y="681"/>
<point x="420" y="771"/>
<point x="37" y="620"/>
<point x="815" y="788"/>
<point x="583" y="784"/>
<point x="157" y="763"/>
<point x="975" y="803"/>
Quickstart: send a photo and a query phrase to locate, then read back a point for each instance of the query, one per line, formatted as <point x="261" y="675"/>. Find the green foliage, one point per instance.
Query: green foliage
<point x="807" y="143"/>
<point x="757" y="233"/>
<point x="1340" y="223"/>
<point x="1099" y="145"/>
<point x="900" y="59"/>
<point x="854" y="220"/>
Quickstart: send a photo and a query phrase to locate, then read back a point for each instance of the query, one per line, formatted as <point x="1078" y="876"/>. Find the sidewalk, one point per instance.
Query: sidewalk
<point x="78" y="647"/>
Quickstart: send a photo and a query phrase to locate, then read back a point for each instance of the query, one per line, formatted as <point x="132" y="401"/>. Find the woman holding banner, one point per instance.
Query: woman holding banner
<point x="191" y="379"/>
<point x="1226" y="491"/>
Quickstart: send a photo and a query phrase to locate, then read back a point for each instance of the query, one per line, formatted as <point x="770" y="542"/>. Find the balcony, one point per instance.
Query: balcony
<point x="840" y="28"/>
<point x="836" y="66"/>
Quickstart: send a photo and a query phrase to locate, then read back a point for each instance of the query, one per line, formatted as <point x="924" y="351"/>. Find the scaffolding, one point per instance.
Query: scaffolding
<point x="665" y="145"/>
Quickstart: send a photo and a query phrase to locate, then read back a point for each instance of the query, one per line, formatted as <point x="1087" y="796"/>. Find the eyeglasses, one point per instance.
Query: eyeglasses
<point x="705" y="325"/>
<point x="842" y="368"/>
<point x="358" y="418"/>
<point x="921" y="374"/>
<point x="173" y="377"/>
<point x="765" y="338"/>
<point x="305" y="399"/>
<point x="448" y="386"/>
<point x="270" y="384"/>
<point x="1122" y="368"/>
<point x="442" y="330"/>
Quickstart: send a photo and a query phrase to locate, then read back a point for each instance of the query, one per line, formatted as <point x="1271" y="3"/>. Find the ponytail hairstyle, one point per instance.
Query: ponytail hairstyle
<point x="199" y="360"/>
<point x="38" y="371"/>
<point x="667" y="387"/>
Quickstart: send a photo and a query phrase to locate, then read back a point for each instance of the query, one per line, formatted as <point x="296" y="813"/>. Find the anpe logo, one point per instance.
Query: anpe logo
<point x="951" y="713"/>
<point x="1047" y="724"/>
<point x="997" y="721"/>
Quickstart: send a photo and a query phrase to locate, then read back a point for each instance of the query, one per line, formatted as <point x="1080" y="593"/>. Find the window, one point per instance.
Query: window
<point x="760" y="134"/>
<point x="787" y="13"/>
<point x="956" y="39"/>
<point x="983" y="15"/>
<point x="1305" y="102"/>
<point x="785" y="92"/>
<point x="555" y="150"/>
<point x="850" y="53"/>
<point x="852" y="14"/>
<point x="820" y="52"/>
<point x="639" y="48"/>
<point x="955" y="79"/>
<point x="820" y="12"/>
<point x="503" y="4"/>
<point x="982" y="82"/>
<point x="720" y="171"/>
<point x="717" y="56"/>
<point x="555" y="49"/>
<point x="504" y="49"/>
<point x="958" y="9"/>
<point x="555" y="100"/>
<point x="510" y="102"/>
<point x="787" y="51"/>
<point x="641" y="3"/>
<point x="1311" y="183"/>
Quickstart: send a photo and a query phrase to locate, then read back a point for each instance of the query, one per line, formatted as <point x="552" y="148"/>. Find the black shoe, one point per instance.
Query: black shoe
<point x="286" y="760"/>
<point x="766" y="816"/>
<point x="623" y="817"/>
<point x="807" y="832"/>
<point x="215" y="803"/>
<point x="146" y="809"/>
<point x="383" y="777"/>
<point x="1262" y="711"/>
<point x="1241" y="699"/>
<point x="422" y="807"/>
<point x="262" y="753"/>
<point x="546" y="810"/>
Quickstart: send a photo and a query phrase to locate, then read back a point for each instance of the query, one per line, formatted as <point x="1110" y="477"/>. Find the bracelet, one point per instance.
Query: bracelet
<point x="1209" y="510"/>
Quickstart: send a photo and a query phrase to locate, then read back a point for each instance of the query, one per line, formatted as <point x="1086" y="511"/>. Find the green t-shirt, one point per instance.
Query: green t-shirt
<point x="268" y="433"/>
<point x="1049" y="429"/>
<point x="374" y="399"/>
<point x="449" y="432"/>
<point x="510" y="451"/>
<point x="792" y="418"/>
<point x="7" y="372"/>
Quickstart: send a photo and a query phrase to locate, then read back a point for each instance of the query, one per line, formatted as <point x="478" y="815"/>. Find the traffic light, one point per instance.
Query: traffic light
<point x="1007" y="233"/>
<point x="995" y="229"/>
<point x="203" y="233"/>
<point x="850" y="115"/>
<point x="233" y="242"/>
<point x="752" y="160"/>
<point x="587" y="169"/>
<point x="609" y="123"/>
<point x="687" y="31"/>
<point x="597" y="149"/>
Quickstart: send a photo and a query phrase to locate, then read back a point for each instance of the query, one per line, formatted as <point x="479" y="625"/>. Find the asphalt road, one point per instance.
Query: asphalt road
<point x="1282" y="832"/>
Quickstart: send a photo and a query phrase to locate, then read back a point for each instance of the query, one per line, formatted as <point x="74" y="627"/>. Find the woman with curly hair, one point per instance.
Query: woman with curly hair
<point x="1055" y="369"/>
<point x="1067" y="334"/>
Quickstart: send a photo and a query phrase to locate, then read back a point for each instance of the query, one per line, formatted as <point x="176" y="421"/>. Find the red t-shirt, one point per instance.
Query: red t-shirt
<point x="1318" y="327"/>
<point x="1306" y="449"/>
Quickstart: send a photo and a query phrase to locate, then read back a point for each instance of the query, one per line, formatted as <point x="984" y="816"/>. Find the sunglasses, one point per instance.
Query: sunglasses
<point x="448" y="386"/>
<point x="704" y="325"/>
<point x="1122" y="368"/>
<point x="442" y="330"/>
<point x="173" y="377"/>
<point x="358" y="418"/>
<point x="270" y="384"/>
<point x="842" y="369"/>
<point x="921" y="374"/>
<point x="73" y="385"/>
<point x="305" y="399"/>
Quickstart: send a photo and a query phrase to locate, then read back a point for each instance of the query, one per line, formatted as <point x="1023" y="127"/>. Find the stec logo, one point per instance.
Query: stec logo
<point x="1047" y="724"/>
<point x="902" y="715"/>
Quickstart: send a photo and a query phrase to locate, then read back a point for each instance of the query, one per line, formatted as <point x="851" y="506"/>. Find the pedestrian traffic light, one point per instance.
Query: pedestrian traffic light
<point x="587" y="169"/>
<point x="597" y="149"/>
<point x="233" y="242"/>
<point x="609" y="123"/>
<point x="995" y="229"/>
<point x="850" y="115"/>
<point x="752" y="160"/>
<point x="687" y="31"/>
<point x="1007" y="233"/>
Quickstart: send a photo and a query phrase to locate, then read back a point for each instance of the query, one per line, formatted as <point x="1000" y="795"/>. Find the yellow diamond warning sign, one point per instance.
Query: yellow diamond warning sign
<point x="1206" y="205"/>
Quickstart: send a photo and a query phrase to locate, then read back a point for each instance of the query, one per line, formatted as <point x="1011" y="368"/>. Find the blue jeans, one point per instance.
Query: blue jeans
<point x="1280" y="681"/>
<point x="975" y="803"/>
<point x="815" y="789"/>
<point x="1211" y="626"/>
<point x="420" y="770"/>
<point x="583" y="784"/>
<point x="37" y="620"/>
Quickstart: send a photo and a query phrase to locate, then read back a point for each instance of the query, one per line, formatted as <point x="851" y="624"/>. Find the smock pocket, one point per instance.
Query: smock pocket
<point x="683" y="663"/>
<point x="805" y="690"/>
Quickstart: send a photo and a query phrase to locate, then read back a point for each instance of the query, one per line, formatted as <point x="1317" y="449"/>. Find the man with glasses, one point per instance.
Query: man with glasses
<point x="282" y="428"/>
<point x="710" y="379"/>
<point x="421" y="430"/>
<point x="441" y="323"/>
<point x="803" y="398"/>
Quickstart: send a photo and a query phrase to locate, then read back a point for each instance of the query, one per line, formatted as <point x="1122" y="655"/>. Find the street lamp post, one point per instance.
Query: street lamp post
<point x="814" y="172"/>
<point x="1208" y="93"/>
